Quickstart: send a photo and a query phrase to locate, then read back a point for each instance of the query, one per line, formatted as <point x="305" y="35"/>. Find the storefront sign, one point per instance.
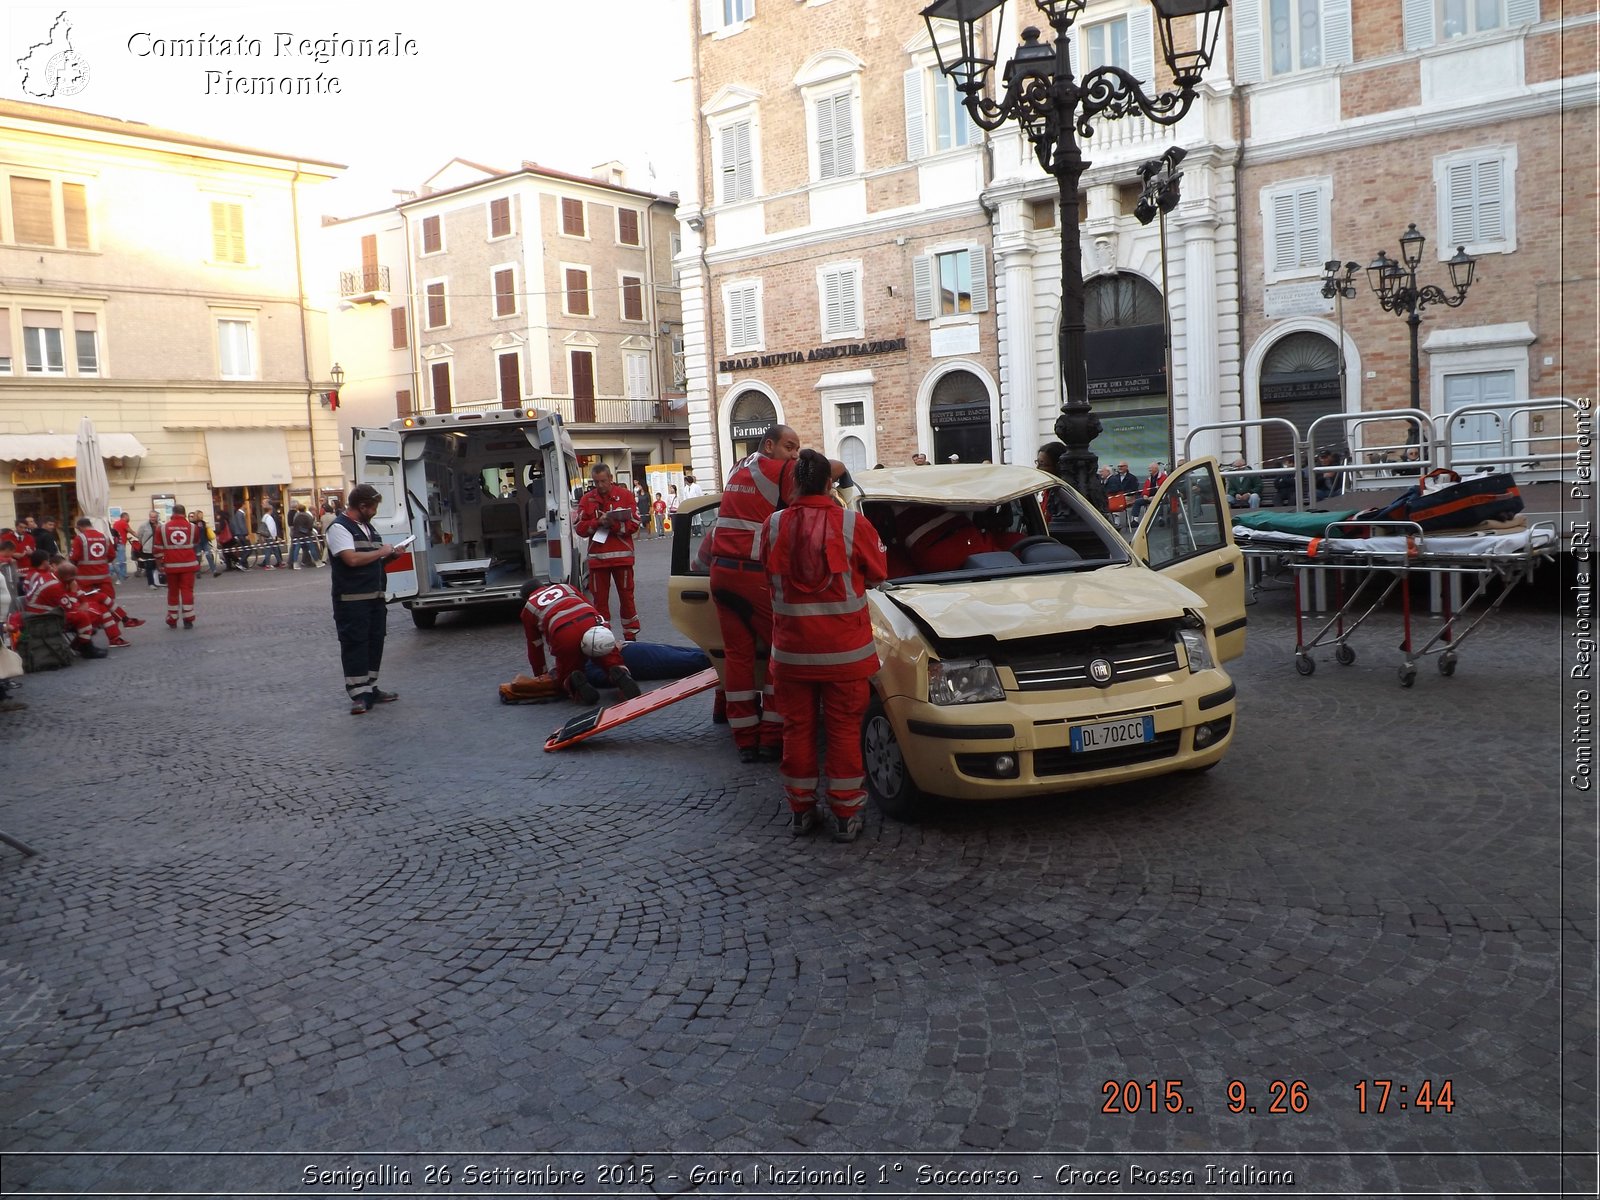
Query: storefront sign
<point x="1296" y="300"/>
<point x="742" y="431"/>
<point x="1128" y="385"/>
<point x="1273" y="390"/>
<point x="789" y="358"/>
<point x="964" y="414"/>
<point x="35" y="472"/>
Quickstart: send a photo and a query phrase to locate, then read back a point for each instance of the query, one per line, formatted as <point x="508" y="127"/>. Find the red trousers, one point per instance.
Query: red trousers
<point x="180" y="594"/>
<point x="80" y="622"/>
<point x="744" y="614"/>
<point x="96" y="616"/>
<point x="601" y="580"/>
<point x="842" y="704"/>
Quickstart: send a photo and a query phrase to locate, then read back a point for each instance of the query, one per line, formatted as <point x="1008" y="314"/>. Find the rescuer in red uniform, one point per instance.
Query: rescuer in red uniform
<point x="558" y="615"/>
<point x="174" y="546"/>
<point x="45" y="591"/>
<point x="92" y="553"/>
<point x="821" y="559"/>
<point x="608" y="517"/>
<point x="756" y="488"/>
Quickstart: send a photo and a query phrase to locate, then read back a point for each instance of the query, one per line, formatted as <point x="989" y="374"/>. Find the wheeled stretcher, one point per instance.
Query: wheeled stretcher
<point x="1387" y="555"/>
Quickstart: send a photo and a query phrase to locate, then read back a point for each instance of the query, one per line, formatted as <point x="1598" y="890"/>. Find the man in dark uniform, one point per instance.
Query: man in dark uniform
<point x="357" y="555"/>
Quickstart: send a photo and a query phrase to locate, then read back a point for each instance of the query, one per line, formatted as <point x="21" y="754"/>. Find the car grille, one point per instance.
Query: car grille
<point x="1051" y="668"/>
<point x="1063" y="761"/>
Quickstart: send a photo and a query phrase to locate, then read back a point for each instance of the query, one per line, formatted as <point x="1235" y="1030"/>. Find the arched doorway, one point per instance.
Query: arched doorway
<point x="1299" y="383"/>
<point x="1125" y="351"/>
<point x="751" y="416"/>
<point x="961" y="419"/>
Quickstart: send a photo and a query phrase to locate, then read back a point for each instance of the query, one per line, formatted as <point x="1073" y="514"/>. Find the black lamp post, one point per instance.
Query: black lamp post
<point x="1054" y="109"/>
<point x="1395" y="285"/>
<point x="1158" y="197"/>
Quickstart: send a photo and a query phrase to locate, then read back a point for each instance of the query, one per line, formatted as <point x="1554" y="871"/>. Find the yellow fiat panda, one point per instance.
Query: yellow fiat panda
<point x="1036" y="649"/>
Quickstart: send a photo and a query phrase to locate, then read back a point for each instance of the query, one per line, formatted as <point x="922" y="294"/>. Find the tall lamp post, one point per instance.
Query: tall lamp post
<point x="1158" y="197"/>
<point x="1395" y="284"/>
<point x="1339" y="288"/>
<point x="1054" y="109"/>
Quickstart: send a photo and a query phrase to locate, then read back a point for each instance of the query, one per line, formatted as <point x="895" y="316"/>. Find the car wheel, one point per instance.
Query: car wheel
<point x="889" y="783"/>
<point x="424" y="618"/>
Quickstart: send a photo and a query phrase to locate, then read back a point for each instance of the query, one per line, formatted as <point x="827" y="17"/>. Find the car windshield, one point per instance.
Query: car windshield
<point x="1028" y="535"/>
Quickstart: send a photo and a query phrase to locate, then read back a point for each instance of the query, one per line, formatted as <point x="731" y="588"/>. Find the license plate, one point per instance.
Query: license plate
<point x="1103" y="735"/>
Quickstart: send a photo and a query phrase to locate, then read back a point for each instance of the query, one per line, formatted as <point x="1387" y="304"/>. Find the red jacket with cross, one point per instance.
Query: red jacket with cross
<point x="616" y="550"/>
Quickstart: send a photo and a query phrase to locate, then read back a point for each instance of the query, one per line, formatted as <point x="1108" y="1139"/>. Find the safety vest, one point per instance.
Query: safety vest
<point x="825" y="633"/>
<point x="938" y="540"/>
<point x="357" y="583"/>
<point x="42" y="592"/>
<point x="558" y="606"/>
<point x="756" y="488"/>
<point x="91" y="552"/>
<point x="174" y="545"/>
<point x="617" y="549"/>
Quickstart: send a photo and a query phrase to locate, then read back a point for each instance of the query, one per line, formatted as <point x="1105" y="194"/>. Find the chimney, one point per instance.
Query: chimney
<point x="613" y="173"/>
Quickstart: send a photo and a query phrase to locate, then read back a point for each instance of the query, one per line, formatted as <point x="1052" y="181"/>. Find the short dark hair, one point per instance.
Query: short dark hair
<point x="812" y="471"/>
<point x="364" y="493"/>
<point x="85" y="523"/>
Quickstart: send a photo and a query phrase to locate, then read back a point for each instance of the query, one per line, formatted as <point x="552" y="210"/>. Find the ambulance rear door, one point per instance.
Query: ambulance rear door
<point x="568" y="563"/>
<point x="378" y="461"/>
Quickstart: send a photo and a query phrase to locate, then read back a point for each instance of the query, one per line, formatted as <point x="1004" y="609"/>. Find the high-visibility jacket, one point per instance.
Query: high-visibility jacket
<point x="92" y="553"/>
<point x="616" y="550"/>
<point x="821" y="560"/>
<point x="42" y="592"/>
<point x="174" y="545"/>
<point x="939" y="540"/>
<point x="756" y="488"/>
<point x="550" y="614"/>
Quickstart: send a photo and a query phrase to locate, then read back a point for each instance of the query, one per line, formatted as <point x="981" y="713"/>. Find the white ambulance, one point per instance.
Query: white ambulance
<point x="488" y="497"/>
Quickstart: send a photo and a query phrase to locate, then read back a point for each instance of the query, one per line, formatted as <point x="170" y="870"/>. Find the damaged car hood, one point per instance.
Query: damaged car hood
<point x="1041" y="605"/>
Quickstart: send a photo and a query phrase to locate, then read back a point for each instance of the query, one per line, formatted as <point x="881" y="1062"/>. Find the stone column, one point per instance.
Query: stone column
<point x="1199" y="402"/>
<point x="1014" y="326"/>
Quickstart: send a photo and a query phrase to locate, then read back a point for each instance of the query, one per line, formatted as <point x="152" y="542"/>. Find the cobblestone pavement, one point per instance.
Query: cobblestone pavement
<point x="258" y="924"/>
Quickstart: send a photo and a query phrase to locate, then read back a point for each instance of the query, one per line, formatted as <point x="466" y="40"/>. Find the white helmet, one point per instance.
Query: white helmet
<point x="598" y="642"/>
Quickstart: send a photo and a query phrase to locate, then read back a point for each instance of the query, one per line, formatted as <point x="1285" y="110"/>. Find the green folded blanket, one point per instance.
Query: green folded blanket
<point x="1306" y="524"/>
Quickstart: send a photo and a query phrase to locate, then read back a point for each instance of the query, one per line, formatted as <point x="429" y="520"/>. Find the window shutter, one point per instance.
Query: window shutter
<point x="1308" y="220"/>
<point x="980" y="279"/>
<point x="922" y="287"/>
<point x="1285" y="246"/>
<point x="440" y="375"/>
<point x="397" y="328"/>
<point x="227" y="232"/>
<point x="844" y="136"/>
<point x="75" y="208"/>
<point x="849" y="301"/>
<point x="1141" y="46"/>
<point x="627" y="227"/>
<point x="499" y="217"/>
<point x="1491" y="225"/>
<point x="430" y="235"/>
<point x="710" y="16"/>
<point x="1417" y="20"/>
<point x="1521" y="12"/>
<point x="436" y="308"/>
<point x="510" y="381"/>
<point x="1336" y="43"/>
<point x="824" y="119"/>
<point x="577" y="292"/>
<point x="638" y="376"/>
<point x="1247" y="61"/>
<point x="743" y="161"/>
<point x="832" y="302"/>
<point x="916" y="121"/>
<point x="402" y="402"/>
<point x="505" y="293"/>
<point x="1458" y="183"/>
<point x="632" y="298"/>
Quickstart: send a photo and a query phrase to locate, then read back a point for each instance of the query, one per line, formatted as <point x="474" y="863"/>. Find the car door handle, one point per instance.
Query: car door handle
<point x="1225" y="569"/>
<point x="695" y="597"/>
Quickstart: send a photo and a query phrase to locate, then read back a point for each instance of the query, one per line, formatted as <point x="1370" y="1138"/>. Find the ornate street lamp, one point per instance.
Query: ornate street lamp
<point x="1395" y="285"/>
<point x="1157" y="198"/>
<point x="1055" y="109"/>
<point x="1340" y="288"/>
<point x="337" y="375"/>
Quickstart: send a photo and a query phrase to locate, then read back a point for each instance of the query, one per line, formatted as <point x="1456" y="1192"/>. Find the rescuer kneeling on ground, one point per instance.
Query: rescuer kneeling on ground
<point x="557" y="614"/>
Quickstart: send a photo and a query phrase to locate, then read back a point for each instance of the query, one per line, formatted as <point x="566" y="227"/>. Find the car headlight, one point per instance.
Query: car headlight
<point x="964" y="681"/>
<point x="1194" y="645"/>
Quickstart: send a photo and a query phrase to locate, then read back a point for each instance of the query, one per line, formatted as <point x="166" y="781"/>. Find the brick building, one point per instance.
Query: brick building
<point x="526" y="288"/>
<point x="154" y="281"/>
<point x="836" y="268"/>
<point x="1473" y="119"/>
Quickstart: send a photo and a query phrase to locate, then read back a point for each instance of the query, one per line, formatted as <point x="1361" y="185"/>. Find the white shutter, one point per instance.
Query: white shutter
<point x="980" y="279"/>
<point x="823" y="110"/>
<point x="1417" y="19"/>
<point x="1308" y="219"/>
<point x="1491" y="223"/>
<point x="1141" y="47"/>
<point x="830" y="304"/>
<point x="1247" y="62"/>
<point x="1336" y="43"/>
<point x="922" y="287"/>
<point x="710" y="16"/>
<point x="729" y="139"/>
<point x="638" y="376"/>
<point x="850" y="307"/>
<point x="916" y="121"/>
<point x="1521" y="12"/>
<point x="752" y="317"/>
<point x="1283" y="245"/>
<point x="844" y="136"/>
<point x="1462" y="203"/>
<point x="746" y="161"/>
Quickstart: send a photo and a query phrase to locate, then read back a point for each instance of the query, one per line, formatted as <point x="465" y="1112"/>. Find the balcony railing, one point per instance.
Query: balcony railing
<point x="368" y="281"/>
<point x="589" y="412"/>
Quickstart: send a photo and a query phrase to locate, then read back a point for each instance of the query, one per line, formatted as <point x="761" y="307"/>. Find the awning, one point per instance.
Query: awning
<point x="247" y="457"/>
<point x="26" y="447"/>
<point x="591" y="446"/>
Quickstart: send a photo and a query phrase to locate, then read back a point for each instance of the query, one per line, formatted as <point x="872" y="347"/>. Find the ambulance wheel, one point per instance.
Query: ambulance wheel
<point x="889" y="783"/>
<point x="424" y="618"/>
<point x="1345" y="655"/>
<point x="1304" y="663"/>
<point x="1447" y="665"/>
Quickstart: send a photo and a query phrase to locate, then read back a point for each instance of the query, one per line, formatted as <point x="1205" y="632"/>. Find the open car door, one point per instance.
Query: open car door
<point x="1187" y="534"/>
<point x="566" y="561"/>
<point x="377" y="454"/>
<point x="689" y="588"/>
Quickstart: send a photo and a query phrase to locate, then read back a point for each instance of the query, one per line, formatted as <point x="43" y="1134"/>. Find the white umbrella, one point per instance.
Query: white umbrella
<point x="94" y="490"/>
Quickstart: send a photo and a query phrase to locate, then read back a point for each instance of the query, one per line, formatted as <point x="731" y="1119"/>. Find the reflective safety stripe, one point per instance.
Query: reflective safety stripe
<point x="846" y="785"/>
<point x="352" y="596"/>
<point x="767" y="487"/>
<point x="602" y="555"/>
<point x="743" y="722"/>
<point x="800" y="785"/>
<point x="739" y="695"/>
<point x="916" y="535"/>
<point x="824" y="660"/>
<point x="739" y="523"/>
<point x="831" y="608"/>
